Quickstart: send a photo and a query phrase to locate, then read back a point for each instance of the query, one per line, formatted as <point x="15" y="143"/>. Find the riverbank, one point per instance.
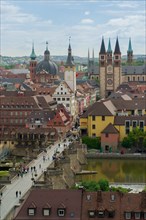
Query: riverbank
<point x="95" y="154"/>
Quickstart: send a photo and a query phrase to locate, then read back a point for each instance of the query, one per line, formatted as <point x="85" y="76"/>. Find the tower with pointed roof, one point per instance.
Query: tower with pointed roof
<point x="110" y="73"/>
<point x="70" y="70"/>
<point x="32" y="64"/>
<point x="102" y="69"/>
<point x="129" y="53"/>
<point x="91" y="63"/>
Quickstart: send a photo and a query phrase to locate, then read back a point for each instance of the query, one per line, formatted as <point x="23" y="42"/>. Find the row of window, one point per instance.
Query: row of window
<point x="17" y="106"/>
<point x="63" y="99"/>
<point x="101" y="214"/>
<point x="111" y="214"/>
<point x="136" y="78"/>
<point x="134" y="124"/>
<point x="93" y="118"/>
<point x="46" y="212"/>
<point x="135" y="215"/>
<point x="13" y="113"/>
<point x="11" y="121"/>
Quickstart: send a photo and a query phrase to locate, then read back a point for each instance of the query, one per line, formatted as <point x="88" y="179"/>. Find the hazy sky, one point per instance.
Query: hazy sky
<point x="86" y="21"/>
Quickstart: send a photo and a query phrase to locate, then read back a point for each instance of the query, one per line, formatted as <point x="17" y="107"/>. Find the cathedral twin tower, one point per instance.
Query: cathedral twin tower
<point x="110" y="71"/>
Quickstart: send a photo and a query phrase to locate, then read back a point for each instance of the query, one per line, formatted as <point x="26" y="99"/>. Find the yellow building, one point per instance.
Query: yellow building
<point x="123" y="112"/>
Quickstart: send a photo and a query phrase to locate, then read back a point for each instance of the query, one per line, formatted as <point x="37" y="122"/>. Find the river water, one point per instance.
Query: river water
<point x="116" y="170"/>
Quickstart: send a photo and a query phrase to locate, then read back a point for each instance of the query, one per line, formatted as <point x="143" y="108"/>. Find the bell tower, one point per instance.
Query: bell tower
<point x="32" y="64"/>
<point x="102" y="69"/>
<point x="117" y="66"/>
<point x="109" y="72"/>
<point x="70" y="70"/>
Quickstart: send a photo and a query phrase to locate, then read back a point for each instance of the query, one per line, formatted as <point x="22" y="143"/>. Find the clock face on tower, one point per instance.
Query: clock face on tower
<point x="109" y="81"/>
<point x="109" y="68"/>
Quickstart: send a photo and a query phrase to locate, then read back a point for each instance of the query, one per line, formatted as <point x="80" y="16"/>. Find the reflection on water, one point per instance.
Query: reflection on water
<point x="116" y="170"/>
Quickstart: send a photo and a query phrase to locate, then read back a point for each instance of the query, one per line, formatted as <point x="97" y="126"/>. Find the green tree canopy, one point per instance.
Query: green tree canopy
<point x="135" y="138"/>
<point x="92" y="143"/>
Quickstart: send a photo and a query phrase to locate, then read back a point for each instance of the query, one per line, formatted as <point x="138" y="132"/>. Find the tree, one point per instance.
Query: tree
<point x="104" y="184"/>
<point x="92" y="143"/>
<point x="134" y="139"/>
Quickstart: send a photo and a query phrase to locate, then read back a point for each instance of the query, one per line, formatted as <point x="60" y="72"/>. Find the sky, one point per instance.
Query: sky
<point x="85" y="21"/>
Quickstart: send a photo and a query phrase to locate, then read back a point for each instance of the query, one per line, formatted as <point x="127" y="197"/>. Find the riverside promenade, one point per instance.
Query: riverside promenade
<point x="22" y="184"/>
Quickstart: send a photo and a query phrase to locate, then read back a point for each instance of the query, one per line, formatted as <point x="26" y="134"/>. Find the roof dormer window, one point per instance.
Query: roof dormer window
<point x="92" y="213"/>
<point x="31" y="210"/>
<point x="61" y="212"/>
<point x="46" y="211"/>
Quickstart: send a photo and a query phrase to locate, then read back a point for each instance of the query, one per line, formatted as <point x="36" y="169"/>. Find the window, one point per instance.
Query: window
<point x="67" y="99"/>
<point x="46" y="211"/>
<point x="31" y="211"/>
<point x="91" y="213"/>
<point x="61" y="212"/>
<point x="106" y="135"/>
<point x="127" y="127"/>
<point x="116" y="57"/>
<point x="103" y="118"/>
<point x="112" y="197"/>
<point x="93" y="126"/>
<point x="61" y="88"/>
<point x="102" y="57"/>
<point x="127" y="215"/>
<point x="93" y="118"/>
<point x="93" y="135"/>
<point x="134" y="124"/>
<point x="63" y="99"/>
<point x="58" y="99"/>
<point x="137" y="215"/>
<point x="67" y="105"/>
<point x="141" y="125"/>
<point x="100" y="214"/>
<point x="111" y="214"/>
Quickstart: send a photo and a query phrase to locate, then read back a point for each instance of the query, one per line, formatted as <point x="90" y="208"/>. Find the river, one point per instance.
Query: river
<point x="116" y="170"/>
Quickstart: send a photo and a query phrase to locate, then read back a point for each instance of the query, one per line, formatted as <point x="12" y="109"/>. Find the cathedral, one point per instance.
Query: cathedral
<point x="110" y="73"/>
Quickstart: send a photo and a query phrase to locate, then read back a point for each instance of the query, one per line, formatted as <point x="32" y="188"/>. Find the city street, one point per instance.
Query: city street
<point x="9" y="198"/>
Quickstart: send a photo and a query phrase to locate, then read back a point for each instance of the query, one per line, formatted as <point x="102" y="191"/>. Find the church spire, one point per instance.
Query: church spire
<point x="102" y="49"/>
<point x="33" y="55"/>
<point x="47" y="52"/>
<point x="129" y="53"/>
<point x="130" y="46"/>
<point x="117" y="47"/>
<point x="70" y="60"/>
<point x="109" y="50"/>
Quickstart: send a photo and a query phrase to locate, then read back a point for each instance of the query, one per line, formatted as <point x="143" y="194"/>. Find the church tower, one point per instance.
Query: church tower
<point x="129" y="53"/>
<point x="117" y="66"/>
<point x="109" y="69"/>
<point x="109" y="82"/>
<point x="70" y="70"/>
<point x="102" y="69"/>
<point x="32" y="64"/>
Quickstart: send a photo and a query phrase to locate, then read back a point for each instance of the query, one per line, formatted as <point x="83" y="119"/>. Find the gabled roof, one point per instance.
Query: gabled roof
<point x="97" y="109"/>
<point x="71" y="200"/>
<point x="110" y="129"/>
